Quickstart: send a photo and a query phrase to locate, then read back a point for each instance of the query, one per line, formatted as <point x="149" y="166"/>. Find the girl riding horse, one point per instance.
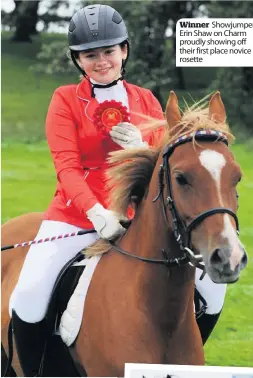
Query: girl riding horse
<point x="99" y="47"/>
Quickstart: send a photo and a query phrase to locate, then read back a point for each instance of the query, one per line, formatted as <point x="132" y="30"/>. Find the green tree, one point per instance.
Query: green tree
<point x="235" y="83"/>
<point x="24" y="18"/>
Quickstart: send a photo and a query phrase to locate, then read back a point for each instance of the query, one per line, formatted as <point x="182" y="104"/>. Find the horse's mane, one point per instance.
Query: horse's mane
<point x="132" y="169"/>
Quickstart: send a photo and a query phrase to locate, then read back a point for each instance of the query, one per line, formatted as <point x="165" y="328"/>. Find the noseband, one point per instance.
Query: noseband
<point x="181" y="231"/>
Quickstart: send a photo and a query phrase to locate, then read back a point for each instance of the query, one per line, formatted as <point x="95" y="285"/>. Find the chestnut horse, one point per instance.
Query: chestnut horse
<point x="139" y="308"/>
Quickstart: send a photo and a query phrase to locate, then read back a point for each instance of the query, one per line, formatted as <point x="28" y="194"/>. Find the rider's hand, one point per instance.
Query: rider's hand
<point x="106" y="222"/>
<point x="127" y="135"/>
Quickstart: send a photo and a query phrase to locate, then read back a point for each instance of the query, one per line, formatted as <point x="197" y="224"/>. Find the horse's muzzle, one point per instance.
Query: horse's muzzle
<point x="224" y="265"/>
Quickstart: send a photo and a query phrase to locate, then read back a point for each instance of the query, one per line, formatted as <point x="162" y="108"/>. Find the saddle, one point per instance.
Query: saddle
<point x="58" y="361"/>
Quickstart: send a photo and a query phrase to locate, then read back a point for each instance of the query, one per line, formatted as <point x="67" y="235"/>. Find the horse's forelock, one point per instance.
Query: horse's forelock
<point x="196" y="118"/>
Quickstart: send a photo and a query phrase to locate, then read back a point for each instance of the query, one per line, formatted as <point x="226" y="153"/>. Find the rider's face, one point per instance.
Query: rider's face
<point x="103" y="64"/>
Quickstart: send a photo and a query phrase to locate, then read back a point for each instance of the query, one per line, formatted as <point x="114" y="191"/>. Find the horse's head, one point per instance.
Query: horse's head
<point x="201" y="177"/>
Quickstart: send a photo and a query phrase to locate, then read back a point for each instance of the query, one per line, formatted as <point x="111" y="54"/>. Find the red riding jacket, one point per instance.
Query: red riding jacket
<point x="79" y="151"/>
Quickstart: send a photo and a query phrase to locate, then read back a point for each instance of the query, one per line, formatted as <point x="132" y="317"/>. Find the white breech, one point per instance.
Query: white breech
<point x="43" y="263"/>
<point x="213" y="293"/>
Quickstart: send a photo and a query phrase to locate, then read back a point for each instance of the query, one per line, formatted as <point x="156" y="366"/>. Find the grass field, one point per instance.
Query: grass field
<point x="28" y="184"/>
<point x="25" y="96"/>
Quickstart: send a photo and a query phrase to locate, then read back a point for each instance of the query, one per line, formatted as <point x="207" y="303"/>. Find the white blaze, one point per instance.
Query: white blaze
<point x="230" y="234"/>
<point x="213" y="162"/>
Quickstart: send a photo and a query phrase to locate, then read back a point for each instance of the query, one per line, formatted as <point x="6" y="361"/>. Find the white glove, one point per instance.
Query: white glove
<point x="127" y="135"/>
<point x="106" y="222"/>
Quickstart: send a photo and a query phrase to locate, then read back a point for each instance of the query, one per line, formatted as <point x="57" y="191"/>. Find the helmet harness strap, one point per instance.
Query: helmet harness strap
<point x="93" y="86"/>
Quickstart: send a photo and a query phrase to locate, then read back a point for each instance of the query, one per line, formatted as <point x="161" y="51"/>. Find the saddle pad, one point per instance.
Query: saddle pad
<point x="72" y="317"/>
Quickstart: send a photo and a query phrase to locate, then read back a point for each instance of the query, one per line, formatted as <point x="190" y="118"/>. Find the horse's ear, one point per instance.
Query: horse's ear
<point x="172" y="112"/>
<point x="217" y="110"/>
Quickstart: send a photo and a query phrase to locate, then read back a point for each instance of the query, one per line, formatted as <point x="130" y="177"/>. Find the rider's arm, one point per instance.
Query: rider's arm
<point x="62" y="138"/>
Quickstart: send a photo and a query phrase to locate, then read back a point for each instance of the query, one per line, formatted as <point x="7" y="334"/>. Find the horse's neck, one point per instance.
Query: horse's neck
<point x="163" y="292"/>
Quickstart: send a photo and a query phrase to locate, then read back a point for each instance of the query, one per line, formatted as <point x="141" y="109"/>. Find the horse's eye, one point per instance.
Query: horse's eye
<point x="181" y="180"/>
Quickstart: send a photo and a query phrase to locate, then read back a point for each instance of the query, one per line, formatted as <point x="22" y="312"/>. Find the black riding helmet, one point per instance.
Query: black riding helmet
<point x="96" y="26"/>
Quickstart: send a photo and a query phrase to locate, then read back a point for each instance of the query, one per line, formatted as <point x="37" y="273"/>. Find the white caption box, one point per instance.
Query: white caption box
<point x="214" y="42"/>
<point x="185" y="371"/>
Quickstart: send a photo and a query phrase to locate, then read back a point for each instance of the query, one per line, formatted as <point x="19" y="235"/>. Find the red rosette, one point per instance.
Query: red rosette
<point x="109" y="114"/>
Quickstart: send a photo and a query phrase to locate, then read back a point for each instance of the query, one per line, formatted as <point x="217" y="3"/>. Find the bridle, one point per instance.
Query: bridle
<point x="181" y="230"/>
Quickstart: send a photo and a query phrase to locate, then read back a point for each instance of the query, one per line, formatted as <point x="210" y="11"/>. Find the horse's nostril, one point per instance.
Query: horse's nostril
<point x="244" y="259"/>
<point x="216" y="257"/>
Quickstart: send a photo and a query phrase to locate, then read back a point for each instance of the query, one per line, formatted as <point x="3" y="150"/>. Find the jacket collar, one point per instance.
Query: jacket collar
<point x="83" y="92"/>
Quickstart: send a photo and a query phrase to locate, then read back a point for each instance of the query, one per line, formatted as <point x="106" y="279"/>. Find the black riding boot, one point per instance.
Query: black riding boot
<point x="206" y="325"/>
<point x="30" y="339"/>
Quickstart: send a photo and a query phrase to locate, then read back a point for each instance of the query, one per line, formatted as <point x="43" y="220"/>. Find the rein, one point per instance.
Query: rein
<point x="166" y="261"/>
